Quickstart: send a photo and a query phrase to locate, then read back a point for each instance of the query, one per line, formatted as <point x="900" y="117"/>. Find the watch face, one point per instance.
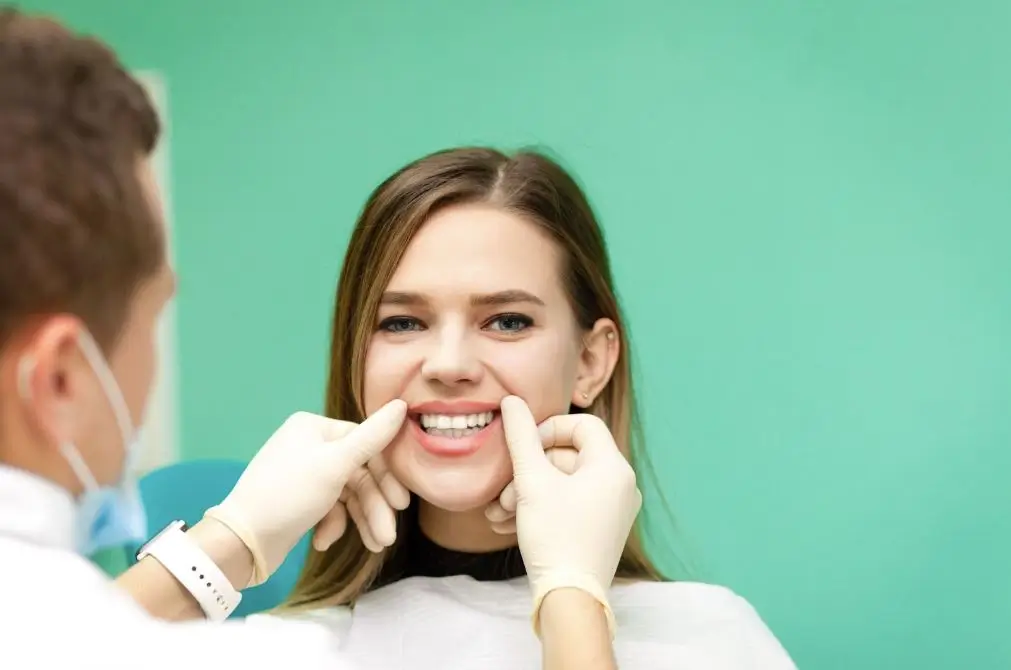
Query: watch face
<point x="181" y="525"/>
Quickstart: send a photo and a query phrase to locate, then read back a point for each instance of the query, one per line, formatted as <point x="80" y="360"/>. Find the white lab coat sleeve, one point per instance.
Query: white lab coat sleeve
<point x="111" y="632"/>
<point x="142" y="643"/>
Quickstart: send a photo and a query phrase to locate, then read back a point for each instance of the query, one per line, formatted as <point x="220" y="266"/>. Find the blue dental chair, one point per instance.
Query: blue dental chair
<point x="184" y="491"/>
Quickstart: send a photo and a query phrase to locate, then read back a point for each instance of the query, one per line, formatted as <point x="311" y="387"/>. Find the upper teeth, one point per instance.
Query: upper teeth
<point x="456" y="421"/>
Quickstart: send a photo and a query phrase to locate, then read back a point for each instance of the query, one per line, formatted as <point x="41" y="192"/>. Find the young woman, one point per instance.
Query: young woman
<point x="471" y="276"/>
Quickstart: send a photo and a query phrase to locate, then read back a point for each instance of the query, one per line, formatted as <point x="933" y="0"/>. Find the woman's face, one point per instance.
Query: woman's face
<point x="475" y="311"/>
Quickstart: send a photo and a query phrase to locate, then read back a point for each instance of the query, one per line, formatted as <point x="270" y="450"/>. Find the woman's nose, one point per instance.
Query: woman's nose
<point x="451" y="362"/>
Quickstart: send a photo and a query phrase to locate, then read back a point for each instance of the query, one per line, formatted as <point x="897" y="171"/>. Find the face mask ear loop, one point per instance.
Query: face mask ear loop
<point x="25" y="368"/>
<point x="109" y="384"/>
<point x="78" y="465"/>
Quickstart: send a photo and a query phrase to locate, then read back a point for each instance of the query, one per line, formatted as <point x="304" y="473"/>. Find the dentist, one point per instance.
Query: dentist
<point x="83" y="280"/>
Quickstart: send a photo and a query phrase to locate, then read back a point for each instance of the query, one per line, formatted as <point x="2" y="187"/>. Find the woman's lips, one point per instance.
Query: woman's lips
<point x="446" y="446"/>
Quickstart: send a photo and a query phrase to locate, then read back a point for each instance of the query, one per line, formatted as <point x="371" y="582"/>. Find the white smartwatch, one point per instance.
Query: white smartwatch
<point x="194" y="569"/>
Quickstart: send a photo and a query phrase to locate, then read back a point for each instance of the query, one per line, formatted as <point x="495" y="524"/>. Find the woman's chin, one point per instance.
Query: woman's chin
<point x="453" y="484"/>
<point x="458" y="501"/>
<point x="451" y="493"/>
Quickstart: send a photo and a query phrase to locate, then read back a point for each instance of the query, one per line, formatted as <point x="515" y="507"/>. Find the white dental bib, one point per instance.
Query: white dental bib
<point x="457" y="623"/>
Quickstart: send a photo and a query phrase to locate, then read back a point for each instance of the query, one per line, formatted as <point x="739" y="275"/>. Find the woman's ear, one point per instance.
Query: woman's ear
<point x="601" y="349"/>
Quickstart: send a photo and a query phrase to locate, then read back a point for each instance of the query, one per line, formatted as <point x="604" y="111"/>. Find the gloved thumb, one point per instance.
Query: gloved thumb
<point x="522" y="438"/>
<point x="371" y="436"/>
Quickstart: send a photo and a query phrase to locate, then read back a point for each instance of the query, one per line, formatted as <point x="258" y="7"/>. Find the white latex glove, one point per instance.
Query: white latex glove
<point x="371" y="497"/>
<point x="296" y="480"/>
<point x="572" y="528"/>
<point x="502" y="512"/>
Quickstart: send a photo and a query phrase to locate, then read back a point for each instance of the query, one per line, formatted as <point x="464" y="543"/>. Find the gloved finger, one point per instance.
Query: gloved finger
<point x="331" y="430"/>
<point x="379" y="516"/>
<point x="522" y="438"/>
<point x="330" y="528"/>
<point x="496" y="512"/>
<point x="372" y="435"/>
<point x="563" y="458"/>
<point x="362" y="524"/>
<point x="508" y="497"/>
<point x="584" y="432"/>
<point x="396" y="494"/>
<point x="505" y="527"/>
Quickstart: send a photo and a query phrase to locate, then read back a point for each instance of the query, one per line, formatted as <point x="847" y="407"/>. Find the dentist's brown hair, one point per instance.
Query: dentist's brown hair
<point x="77" y="232"/>
<point x="529" y="185"/>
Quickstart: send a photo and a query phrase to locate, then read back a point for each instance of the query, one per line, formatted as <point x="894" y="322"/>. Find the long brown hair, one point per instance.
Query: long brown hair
<point x="537" y="189"/>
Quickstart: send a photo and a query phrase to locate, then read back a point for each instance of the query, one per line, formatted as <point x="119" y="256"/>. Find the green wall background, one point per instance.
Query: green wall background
<point x="809" y="209"/>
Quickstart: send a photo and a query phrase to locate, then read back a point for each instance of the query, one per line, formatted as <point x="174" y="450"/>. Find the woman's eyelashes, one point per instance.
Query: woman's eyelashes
<point x="400" y="324"/>
<point x="509" y="324"/>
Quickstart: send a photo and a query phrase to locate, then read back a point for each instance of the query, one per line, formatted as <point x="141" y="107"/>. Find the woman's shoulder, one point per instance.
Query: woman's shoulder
<point x="687" y="595"/>
<point x="334" y="619"/>
<point x="698" y="615"/>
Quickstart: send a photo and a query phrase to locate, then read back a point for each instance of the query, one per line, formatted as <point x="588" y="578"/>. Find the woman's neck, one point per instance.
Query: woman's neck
<point x="437" y="543"/>
<point x="461" y="531"/>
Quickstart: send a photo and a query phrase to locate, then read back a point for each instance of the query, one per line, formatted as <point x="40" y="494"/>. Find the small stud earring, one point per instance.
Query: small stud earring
<point x="610" y="335"/>
<point x="586" y="396"/>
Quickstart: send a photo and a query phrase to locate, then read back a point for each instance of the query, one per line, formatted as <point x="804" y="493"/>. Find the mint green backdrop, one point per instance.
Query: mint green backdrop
<point x="809" y="210"/>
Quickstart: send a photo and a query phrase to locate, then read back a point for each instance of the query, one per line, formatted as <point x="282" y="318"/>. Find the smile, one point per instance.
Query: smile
<point x="455" y="425"/>
<point x="446" y="431"/>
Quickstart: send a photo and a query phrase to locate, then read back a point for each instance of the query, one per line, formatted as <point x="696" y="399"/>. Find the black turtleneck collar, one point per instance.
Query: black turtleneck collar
<point x="419" y="556"/>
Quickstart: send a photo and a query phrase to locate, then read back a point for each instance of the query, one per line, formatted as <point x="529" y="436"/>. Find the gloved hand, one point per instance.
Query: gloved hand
<point x="296" y="480"/>
<point x="502" y="511"/>
<point x="371" y="496"/>
<point x="572" y="528"/>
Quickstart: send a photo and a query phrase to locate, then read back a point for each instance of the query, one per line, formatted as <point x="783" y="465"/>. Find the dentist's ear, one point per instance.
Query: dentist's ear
<point x="44" y="414"/>
<point x="45" y="383"/>
<point x="599" y="357"/>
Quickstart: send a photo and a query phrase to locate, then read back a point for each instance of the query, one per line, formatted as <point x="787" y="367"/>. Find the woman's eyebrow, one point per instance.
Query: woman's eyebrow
<point x="507" y="297"/>
<point x="403" y="298"/>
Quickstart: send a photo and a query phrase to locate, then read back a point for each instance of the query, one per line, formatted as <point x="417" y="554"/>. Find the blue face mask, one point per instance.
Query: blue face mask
<point x="107" y="516"/>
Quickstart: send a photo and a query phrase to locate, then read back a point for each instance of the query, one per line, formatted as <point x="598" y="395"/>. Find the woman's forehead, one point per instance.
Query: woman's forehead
<point x="480" y="250"/>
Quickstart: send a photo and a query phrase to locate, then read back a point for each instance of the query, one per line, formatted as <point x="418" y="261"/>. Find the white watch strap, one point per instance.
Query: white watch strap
<point x="194" y="569"/>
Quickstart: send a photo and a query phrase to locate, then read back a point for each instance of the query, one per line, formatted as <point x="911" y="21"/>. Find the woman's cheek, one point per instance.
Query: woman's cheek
<point x="542" y="376"/>
<point x="384" y="376"/>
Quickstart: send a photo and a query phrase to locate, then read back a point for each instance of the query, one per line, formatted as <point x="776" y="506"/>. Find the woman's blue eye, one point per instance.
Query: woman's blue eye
<point x="505" y="323"/>
<point x="399" y="324"/>
<point x="510" y="323"/>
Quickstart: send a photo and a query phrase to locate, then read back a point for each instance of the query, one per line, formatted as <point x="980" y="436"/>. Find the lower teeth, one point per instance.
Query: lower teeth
<point x="453" y="432"/>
